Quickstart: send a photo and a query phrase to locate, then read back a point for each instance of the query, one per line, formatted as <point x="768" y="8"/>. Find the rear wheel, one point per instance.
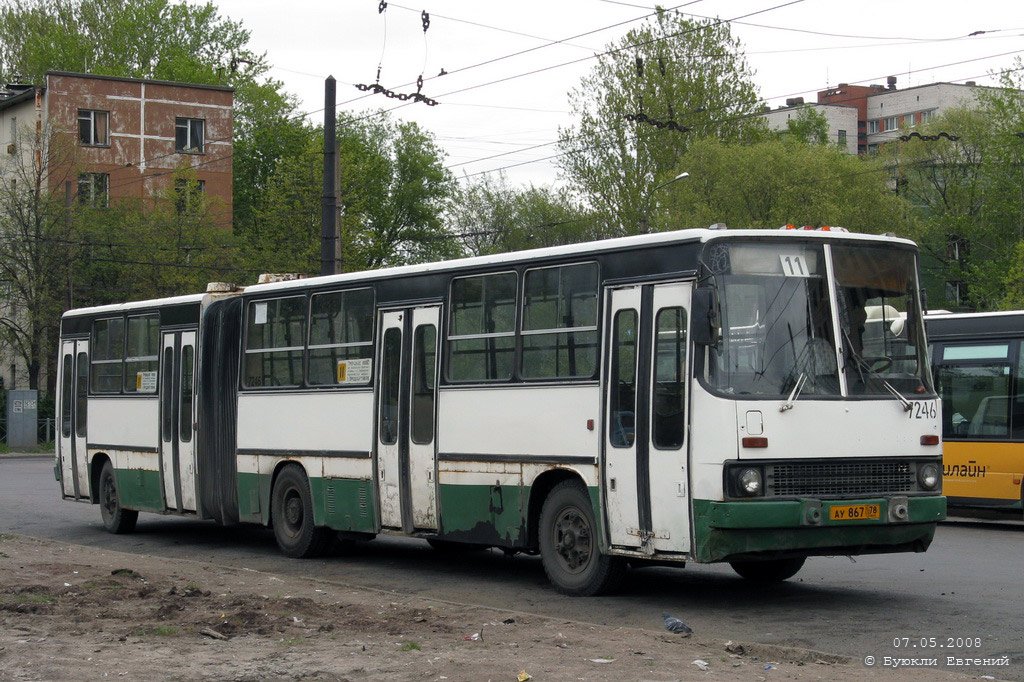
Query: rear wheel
<point x="116" y="519"/>
<point x="569" y="545"/>
<point x="291" y="511"/>
<point x="768" y="571"/>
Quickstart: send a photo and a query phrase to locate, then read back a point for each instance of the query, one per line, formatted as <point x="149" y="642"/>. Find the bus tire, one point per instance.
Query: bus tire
<point x="291" y="512"/>
<point x="569" y="547"/>
<point x="116" y="519"/>
<point x="769" y="570"/>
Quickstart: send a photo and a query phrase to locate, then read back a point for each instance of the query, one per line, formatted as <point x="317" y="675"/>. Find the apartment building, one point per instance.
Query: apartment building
<point x="875" y="112"/>
<point x="127" y="135"/>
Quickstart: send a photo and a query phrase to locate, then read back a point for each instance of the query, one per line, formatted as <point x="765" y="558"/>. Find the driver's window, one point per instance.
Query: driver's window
<point x="668" y="421"/>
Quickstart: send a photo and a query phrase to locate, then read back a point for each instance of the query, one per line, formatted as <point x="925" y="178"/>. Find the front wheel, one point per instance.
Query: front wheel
<point x="569" y="545"/>
<point x="116" y="519"/>
<point x="768" y="571"/>
<point x="291" y="512"/>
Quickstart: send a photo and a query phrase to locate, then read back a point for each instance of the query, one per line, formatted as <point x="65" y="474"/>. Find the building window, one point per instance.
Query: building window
<point x="93" y="189"/>
<point x="908" y="120"/>
<point x="189" y="135"/>
<point x="188" y="195"/>
<point x="841" y="137"/>
<point x="872" y="127"/>
<point x="92" y="127"/>
<point x="927" y="116"/>
<point x="892" y="123"/>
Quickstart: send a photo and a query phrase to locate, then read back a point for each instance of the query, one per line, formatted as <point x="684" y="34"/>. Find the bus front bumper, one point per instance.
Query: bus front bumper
<point x="734" y="531"/>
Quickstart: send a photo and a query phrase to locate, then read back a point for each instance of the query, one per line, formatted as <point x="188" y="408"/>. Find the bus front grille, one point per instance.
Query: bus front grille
<point x="826" y="479"/>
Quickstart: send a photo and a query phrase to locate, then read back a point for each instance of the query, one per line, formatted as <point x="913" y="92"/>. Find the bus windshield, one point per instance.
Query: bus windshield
<point x="788" y="330"/>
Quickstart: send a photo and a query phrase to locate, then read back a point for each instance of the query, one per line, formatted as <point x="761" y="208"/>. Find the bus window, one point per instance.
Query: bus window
<point x="481" y="333"/>
<point x="390" y="380"/>
<point x="185" y="393"/>
<point x="142" y="350"/>
<point x="424" y="343"/>
<point x="975" y="402"/>
<point x="66" y="396"/>
<point x="622" y="382"/>
<point x="340" y="331"/>
<point x="668" y="423"/>
<point x="81" y="393"/>
<point x="560" y="322"/>
<point x="274" y="342"/>
<point x="107" y="348"/>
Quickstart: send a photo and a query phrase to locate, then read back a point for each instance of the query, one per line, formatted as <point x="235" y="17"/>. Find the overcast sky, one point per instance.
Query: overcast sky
<point x="501" y="108"/>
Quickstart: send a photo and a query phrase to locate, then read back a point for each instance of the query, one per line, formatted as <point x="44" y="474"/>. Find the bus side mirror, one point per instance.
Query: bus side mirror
<point x="706" y="326"/>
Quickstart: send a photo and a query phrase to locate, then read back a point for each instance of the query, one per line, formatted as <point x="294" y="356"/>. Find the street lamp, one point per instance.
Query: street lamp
<point x="650" y="195"/>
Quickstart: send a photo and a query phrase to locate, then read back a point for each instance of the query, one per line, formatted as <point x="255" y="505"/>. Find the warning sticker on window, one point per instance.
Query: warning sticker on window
<point x="356" y="371"/>
<point x="259" y="313"/>
<point x="145" y="382"/>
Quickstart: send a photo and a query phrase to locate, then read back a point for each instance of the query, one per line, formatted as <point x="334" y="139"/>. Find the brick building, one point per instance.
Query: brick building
<point x="129" y="135"/>
<point x="877" y="111"/>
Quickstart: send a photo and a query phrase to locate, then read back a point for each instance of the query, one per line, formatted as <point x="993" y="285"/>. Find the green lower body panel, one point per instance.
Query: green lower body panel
<point x="726" y="531"/>
<point x="338" y="503"/>
<point x="484" y="515"/>
<point x="344" y="504"/>
<point x="140" y="489"/>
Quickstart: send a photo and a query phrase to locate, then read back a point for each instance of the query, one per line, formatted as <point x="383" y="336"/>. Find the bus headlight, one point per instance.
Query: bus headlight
<point x="928" y="476"/>
<point x="748" y="481"/>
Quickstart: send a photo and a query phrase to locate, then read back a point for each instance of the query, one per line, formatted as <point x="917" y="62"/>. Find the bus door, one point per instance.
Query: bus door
<point x="74" y="403"/>
<point x="177" y="398"/>
<point x="406" y="405"/>
<point x="645" y="475"/>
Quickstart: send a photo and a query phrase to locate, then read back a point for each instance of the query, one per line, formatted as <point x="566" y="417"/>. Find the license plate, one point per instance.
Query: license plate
<point x="855" y="512"/>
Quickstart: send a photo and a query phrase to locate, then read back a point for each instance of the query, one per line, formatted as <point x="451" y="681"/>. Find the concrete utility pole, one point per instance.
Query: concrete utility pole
<point x="328" y="212"/>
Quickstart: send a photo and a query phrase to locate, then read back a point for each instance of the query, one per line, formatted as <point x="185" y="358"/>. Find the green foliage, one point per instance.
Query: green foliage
<point x="694" y="73"/>
<point x="161" y="246"/>
<point x="966" y="200"/>
<point x="393" y="194"/>
<point x="778" y="182"/>
<point x="494" y="217"/>
<point x="809" y="126"/>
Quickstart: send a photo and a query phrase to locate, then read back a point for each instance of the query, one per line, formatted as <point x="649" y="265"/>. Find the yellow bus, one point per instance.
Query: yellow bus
<point x="978" y="361"/>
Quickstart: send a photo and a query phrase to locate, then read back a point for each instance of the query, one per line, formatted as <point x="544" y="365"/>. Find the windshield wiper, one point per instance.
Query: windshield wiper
<point x="788" y="405"/>
<point x="862" y="364"/>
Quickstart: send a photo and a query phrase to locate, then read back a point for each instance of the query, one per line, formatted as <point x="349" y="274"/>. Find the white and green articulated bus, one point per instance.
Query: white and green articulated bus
<point x="693" y="396"/>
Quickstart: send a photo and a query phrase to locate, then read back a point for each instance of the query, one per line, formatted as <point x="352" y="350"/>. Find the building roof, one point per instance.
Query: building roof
<point x="11" y="100"/>
<point x="200" y="86"/>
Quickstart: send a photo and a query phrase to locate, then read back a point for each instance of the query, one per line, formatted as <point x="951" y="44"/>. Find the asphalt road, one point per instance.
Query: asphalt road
<point x="970" y="584"/>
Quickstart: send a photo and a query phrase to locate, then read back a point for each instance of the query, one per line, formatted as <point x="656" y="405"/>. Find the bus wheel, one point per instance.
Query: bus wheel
<point x="768" y="571"/>
<point x="569" y="546"/>
<point x="116" y="519"/>
<point x="291" y="511"/>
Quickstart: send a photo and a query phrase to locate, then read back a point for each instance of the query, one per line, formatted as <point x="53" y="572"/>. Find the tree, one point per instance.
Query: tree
<point x="809" y="126"/>
<point x="960" y="176"/>
<point x="663" y="85"/>
<point x="778" y="182"/>
<point x="394" y="193"/>
<point x="37" y="247"/>
<point x="493" y="217"/>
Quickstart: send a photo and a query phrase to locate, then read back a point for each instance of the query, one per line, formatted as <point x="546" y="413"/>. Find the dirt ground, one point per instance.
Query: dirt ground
<point x="73" y="612"/>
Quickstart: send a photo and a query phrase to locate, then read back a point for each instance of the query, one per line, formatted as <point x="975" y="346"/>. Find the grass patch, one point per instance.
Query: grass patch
<point x="410" y="646"/>
<point x="28" y="598"/>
